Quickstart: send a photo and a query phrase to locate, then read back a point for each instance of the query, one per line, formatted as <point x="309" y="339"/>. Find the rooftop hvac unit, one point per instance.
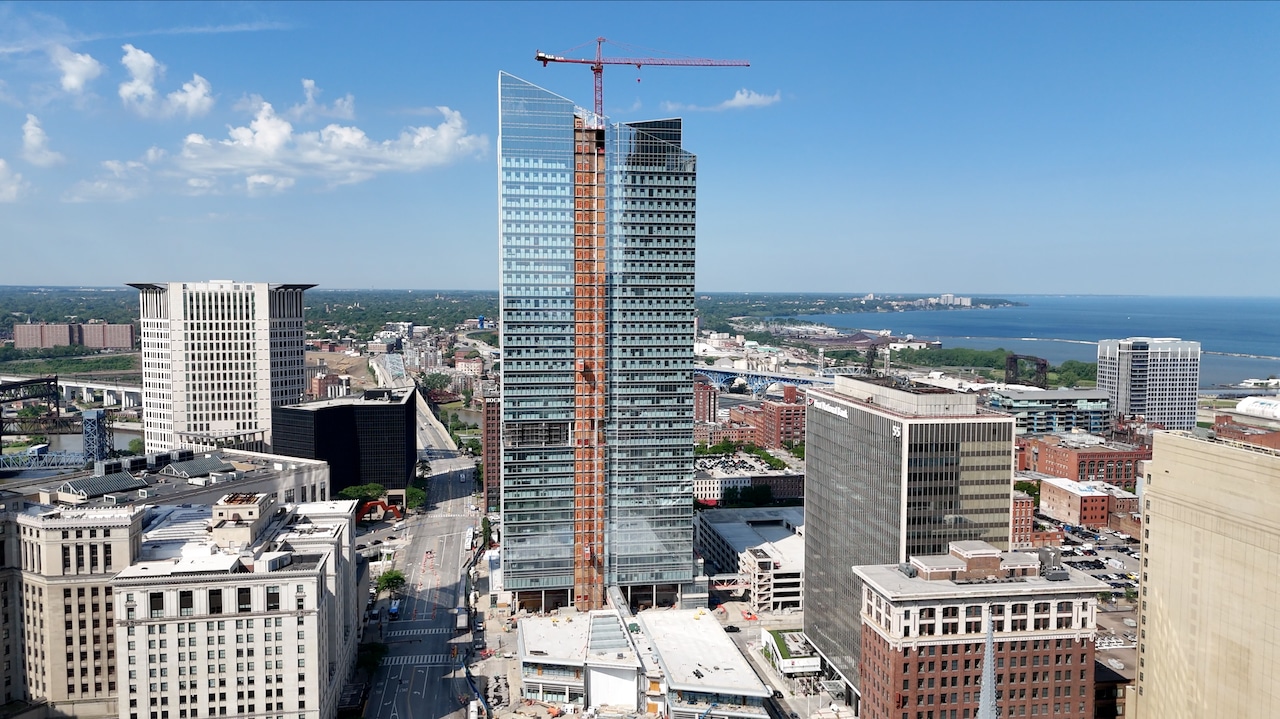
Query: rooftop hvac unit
<point x="1057" y="574"/>
<point x="907" y="569"/>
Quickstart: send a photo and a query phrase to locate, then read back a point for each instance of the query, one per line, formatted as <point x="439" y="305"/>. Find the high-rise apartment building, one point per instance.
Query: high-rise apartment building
<point x="894" y="469"/>
<point x="1157" y="378"/>
<point x="1207" y="642"/>
<point x="597" y="267"/>
<point x="924" y="635"/>
<point x="216" y="357"/>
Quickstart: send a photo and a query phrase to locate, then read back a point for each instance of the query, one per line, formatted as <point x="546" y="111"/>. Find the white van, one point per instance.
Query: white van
<point x="397" y="525"/>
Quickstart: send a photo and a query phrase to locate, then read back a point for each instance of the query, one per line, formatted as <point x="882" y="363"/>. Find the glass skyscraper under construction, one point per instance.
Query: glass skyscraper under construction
<point x="596" y="227"/>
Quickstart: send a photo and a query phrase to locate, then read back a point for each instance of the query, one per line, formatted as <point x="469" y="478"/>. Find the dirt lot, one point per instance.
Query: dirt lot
<point x="339" y="363"/>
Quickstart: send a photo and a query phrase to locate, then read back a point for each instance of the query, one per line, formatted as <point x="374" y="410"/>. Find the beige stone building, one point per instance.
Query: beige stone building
<point x="65" y="612"/>
<point x="1209" y="639"/>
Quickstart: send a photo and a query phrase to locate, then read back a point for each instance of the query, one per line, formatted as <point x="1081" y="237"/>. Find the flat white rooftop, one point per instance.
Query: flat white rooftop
<point x="558" y="639"/>
<point x="691" y="640"/>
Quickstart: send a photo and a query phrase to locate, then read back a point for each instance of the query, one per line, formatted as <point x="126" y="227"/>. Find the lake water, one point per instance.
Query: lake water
<point x="1062" y="327"/>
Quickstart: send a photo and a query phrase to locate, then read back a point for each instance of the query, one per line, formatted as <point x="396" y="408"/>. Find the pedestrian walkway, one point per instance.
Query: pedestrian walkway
<point x="418" y="632"/>
<point x="429" y="660"/>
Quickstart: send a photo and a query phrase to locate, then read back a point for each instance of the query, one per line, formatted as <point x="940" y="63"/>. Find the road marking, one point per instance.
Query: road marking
<point x="416" y="632"/>
<point x="430" y="660"/>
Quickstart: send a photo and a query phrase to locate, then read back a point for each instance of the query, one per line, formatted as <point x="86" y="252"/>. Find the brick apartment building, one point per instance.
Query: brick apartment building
<point x="773" y="422"/>
<point x="1088" y="504"/>
<point x="1025" y="531"/>
<point x="706" y="402"/>
<point x="1083" y="457"/>
<point x="924" y="635"/>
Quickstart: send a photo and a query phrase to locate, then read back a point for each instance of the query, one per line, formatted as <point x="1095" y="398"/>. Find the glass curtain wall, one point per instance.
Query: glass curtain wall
<point x="535" y="156"/>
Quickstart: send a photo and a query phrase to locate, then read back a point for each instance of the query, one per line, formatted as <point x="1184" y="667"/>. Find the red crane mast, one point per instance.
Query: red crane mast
<point x="597" y="66"/>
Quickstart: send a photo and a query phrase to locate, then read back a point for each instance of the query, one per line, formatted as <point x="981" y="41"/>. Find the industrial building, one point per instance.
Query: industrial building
<point x="95" y="335"/>
<point x="893" y="469"/>
<point x="217" y="356"/>
<point x="366" y="438"/>
<point x="1154" y="378"/>
<point x="597" y="298"/>
<point x="756" y="553"/>
<point x="1061" y="410"/>
<point x="925" y="633"/>
<point x="1208" y="636"/>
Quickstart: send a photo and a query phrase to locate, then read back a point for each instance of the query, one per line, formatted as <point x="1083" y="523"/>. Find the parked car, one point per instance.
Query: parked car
<point x="361" y="546"/>
<point x="733" y="629"/>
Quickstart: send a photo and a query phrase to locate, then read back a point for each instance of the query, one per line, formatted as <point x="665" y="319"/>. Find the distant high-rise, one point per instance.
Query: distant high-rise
<point x="894" y="470"/>
<point x="216" y="357"/>
<point x="1157" y="378"/>
<point x="597" y="265"/>
<point x="1208" y="633"/>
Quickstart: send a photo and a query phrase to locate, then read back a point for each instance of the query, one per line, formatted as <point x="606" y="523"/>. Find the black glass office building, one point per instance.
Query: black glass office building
<point x="366" y="438"/>
<point x="894" y="469"/>
<point x="597" y="289"/>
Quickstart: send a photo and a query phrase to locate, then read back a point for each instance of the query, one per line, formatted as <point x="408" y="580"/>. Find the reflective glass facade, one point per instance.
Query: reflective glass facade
<point x="632" y="441"/>
<point x="883" y="484"/>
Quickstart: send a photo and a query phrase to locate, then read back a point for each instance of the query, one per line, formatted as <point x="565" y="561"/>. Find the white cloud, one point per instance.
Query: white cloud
<point x="11" y="184"/>
<point x="120" y="180"/>
<point x="195" y="98"/>
<point x="269" y="153"/>
<point x="741" y="100"/>
<point x="78" y="69"/>
<point x="139" y="92"/>
<point x="262" y="183"/>
<point x="344" y="108"/>
<point x="35" y="144"/>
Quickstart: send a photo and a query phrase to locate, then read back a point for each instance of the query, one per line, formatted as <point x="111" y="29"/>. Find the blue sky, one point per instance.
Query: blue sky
<point x="914" y="147"/>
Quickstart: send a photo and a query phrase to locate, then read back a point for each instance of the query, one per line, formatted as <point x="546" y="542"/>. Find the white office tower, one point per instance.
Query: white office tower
<point x="243" y="609"/>
<point x="1155" y="378"/>
<point x="216" y="357"/>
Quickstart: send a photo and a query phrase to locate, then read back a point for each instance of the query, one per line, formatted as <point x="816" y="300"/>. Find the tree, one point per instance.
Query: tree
<point x="1031" y="488"/>
<point x="391" y="581"/>
<point x="485" y="529"/>
<point x="364" y="492"/>
<point x="369" y="657"/>
<point x="467" y="395"/>
<point x="435" y="381"/>
<point x="415" y="497"/>
<point x="729" y="497"/>
<point x="137" y="446"/>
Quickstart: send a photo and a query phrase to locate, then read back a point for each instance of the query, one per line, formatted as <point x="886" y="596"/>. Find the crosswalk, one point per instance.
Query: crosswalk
<point x="417" y="632"/>
<point x="430" y="660"/>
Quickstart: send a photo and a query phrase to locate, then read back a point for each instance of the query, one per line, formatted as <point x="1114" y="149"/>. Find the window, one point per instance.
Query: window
<point x="273" y="599"/>
<point x="186" y="603"/>
<point x="157" y="604"/>
<point x="215" y="601"/>
<point x="243" y="603"/>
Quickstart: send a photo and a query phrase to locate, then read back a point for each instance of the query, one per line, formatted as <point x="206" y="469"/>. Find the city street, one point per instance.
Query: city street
<point x="420" y="676"/>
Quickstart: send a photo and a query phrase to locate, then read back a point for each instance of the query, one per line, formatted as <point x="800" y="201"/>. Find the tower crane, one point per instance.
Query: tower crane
<point x="599" y="61"/>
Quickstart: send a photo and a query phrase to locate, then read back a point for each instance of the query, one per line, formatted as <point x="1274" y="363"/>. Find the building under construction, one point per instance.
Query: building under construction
<point x="597" y="295"/>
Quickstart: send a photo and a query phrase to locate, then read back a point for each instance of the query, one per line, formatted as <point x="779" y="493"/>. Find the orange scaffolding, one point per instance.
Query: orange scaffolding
<point x="590" y="273"/>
